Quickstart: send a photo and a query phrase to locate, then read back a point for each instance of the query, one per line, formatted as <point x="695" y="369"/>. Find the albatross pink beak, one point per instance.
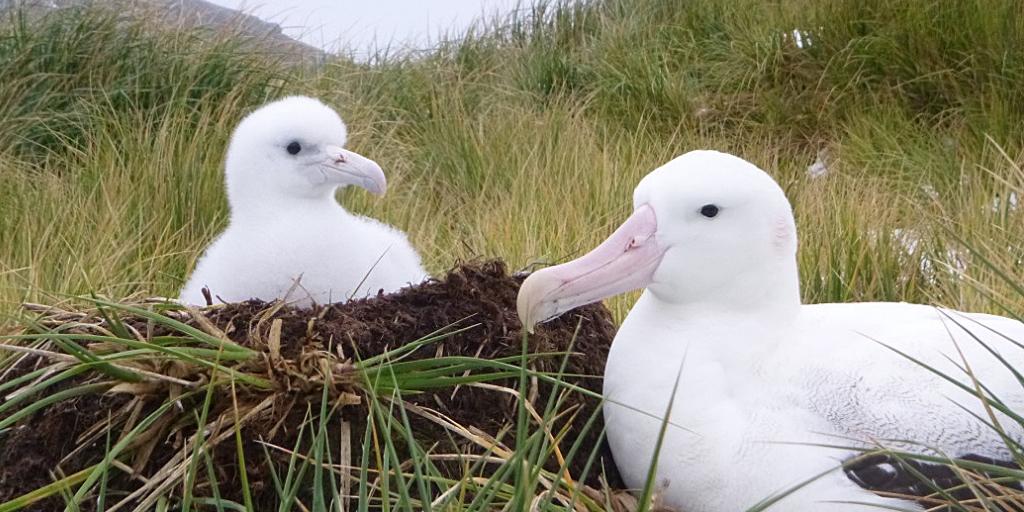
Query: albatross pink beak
<point x="625" y="261"/>
<point x="351" y="168"/>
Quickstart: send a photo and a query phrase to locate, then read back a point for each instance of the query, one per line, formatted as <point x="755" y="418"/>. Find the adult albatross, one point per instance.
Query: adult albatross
<point x="764" y="381"/>
<point x="288" y="238"/>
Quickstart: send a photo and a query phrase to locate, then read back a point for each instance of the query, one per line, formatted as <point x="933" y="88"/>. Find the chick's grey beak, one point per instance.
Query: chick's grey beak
<point x="351" y="168"/>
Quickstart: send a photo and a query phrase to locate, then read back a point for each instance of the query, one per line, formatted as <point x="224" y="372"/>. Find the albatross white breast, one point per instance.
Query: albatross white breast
<point x="288" y="238"/>
<point x="761" y="376"/>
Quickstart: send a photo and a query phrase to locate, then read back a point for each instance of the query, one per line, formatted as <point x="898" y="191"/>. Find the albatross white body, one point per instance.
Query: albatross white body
<point x="288" y="238"/>
<point x="761" y="377"/>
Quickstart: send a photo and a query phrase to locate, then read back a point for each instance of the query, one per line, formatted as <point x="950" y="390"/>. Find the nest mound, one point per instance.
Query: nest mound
<point x="298" y="358"/>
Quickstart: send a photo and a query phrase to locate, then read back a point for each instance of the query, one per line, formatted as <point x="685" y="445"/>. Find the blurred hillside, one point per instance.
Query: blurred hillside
<point x="182" y="15"/>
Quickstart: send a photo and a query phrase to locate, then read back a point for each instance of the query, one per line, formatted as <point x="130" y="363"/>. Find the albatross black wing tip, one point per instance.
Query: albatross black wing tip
<point x="889" y="474"/>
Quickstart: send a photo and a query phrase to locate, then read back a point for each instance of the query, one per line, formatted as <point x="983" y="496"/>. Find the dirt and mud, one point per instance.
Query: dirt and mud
<point x="474" y="302"/>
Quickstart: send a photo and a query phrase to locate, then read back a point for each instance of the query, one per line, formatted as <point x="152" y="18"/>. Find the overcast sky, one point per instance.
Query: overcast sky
<point x="356" y="24"/>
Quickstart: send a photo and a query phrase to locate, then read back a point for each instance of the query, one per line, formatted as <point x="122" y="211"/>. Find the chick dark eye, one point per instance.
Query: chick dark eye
<point x="709" y="210"/>
<point x="294" y="148"/>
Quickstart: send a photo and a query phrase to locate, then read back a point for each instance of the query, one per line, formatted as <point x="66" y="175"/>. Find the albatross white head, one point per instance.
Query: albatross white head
<point x="707" y="229"/>
<point x="289" y="152"/>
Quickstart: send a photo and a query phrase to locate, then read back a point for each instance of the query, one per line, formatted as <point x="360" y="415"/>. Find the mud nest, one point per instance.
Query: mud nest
<point x="301" y="356"/>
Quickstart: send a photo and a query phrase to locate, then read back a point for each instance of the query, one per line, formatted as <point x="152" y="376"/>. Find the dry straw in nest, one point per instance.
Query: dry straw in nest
<point x="144" y="399"/>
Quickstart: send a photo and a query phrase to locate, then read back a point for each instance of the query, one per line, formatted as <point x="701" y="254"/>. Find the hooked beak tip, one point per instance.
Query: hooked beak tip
<point x="378" y="188"/>
<point x="531" y="297"/>
<point x="358" y="170"/>
<point x="529" y="324"/>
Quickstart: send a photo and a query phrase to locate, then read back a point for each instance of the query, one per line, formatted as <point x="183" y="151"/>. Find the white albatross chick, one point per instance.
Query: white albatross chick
<point x="713" y="240"/>
<point x="288" y="238"/>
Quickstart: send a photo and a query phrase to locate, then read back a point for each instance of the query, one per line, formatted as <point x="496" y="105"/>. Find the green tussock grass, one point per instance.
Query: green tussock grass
<point x="524" y="140"/>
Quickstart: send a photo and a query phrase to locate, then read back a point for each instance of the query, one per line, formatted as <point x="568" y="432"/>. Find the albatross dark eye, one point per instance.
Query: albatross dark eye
<point x="709" y="210"/>
<point x="294" y="148"/>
